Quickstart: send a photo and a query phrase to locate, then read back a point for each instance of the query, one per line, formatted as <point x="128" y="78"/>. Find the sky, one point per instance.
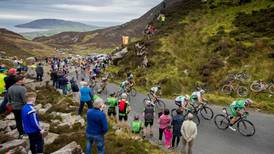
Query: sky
<point x="94" y="12"/>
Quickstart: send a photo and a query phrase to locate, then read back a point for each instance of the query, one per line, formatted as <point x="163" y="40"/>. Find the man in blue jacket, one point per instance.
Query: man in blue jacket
<point x="97" y="127"/>
<point x="86" y="97"/>
<point x="31" y="124"/>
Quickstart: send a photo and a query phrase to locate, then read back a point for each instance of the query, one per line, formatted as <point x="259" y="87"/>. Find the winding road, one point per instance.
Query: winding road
<point x="211" y="140"/>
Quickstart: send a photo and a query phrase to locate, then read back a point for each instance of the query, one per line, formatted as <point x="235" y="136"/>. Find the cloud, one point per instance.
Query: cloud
<point x="15" y="16"/>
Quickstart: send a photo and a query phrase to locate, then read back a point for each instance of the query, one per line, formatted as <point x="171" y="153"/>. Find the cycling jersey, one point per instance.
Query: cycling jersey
<point x="236" y="105"/>
<point x="180" y="101"/>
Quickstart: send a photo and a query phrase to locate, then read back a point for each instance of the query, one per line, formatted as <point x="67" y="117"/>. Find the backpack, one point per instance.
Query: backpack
<point x="149" y="112"/>
<point x="75" y="88"/>
<point x="122" y="106"/>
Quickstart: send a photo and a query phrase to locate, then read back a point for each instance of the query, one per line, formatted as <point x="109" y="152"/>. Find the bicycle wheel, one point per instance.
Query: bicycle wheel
<point x="246" y="128"/>
<point x="227" y="89"/>
<point x="242" y="91"/>
<point x="133" y="92"/>
<point x="255" y="87"/>
<point x="195" y="119"/>
<point x="207" y="113"/>
<point x="271" y="89"/>
<point x="221" y="121"/>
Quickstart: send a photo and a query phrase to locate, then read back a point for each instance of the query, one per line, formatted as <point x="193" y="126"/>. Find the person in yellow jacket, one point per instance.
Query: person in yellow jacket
<point x="2" y="82"/>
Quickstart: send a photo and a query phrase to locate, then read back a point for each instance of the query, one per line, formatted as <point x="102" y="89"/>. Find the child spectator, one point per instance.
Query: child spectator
<point x="136" y="125"/>
<point x="31" y="124"/>
<point x="168" y="137"/>
<point x="164" y="122"/>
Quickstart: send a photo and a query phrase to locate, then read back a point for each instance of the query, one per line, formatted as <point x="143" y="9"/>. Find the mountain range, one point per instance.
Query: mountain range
<point x="51" y="27"/>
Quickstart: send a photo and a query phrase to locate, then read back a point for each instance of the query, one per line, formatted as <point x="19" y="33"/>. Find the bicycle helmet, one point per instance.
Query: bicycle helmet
<point x="202" y="91"/>
<point x="124" y="96"/>
<point x="148" y="102"/>
<point x="187" y="98"/>
<point x="248" y="102"/>
<point x="12" y="71"/>
<point x="159" y="87"/>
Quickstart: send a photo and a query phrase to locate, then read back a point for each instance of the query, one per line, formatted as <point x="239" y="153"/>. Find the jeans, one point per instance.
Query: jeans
<point x="39" y="77"/>
<point x="36" y="143"/>
<point x="161" y="131"/>
<point x="4" y="104"/>
<point x="175" y="138"/>
<point x="82" y="103"/>
<point x="18" y="120"/>
<point x="64" y="89"/>
<point x="99" y="140"/>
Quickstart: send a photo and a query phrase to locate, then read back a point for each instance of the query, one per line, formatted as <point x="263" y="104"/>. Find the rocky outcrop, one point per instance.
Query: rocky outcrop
<point x="72" y="148"/>
<point x="12" y="145"/>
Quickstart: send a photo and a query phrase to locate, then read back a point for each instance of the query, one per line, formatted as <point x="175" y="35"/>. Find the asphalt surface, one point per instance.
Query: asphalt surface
<point x="210" y="139"/>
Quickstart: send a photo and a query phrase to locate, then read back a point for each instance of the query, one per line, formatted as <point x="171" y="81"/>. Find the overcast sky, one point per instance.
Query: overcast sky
<point x="99" y="12"/>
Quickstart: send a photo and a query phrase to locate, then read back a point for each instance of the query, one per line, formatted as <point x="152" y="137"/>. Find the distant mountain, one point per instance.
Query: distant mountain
<point x="55" y="24"/>
<point x="106" y="38"/>
<point x="13" y="44"/>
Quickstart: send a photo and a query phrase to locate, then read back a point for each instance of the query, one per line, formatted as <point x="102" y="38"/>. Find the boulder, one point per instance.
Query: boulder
<point x="18" y="150"/>
<point x="44" y="110"/>
<point x="3" y="125"/>
<point x="10" y="117"/>
<point x="12" y="144"/>
<point x="45" y="126"/>
<point x="50" y="138"/>
<point x="72" y="148"/>
<point x="38" y="107"/>
<point x="14" y="133"/>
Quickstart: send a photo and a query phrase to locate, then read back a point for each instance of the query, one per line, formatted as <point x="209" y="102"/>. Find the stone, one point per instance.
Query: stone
<point x="45" y="126"/>
<point x="14" y="133"/>
<point x="10" y="117"/>
<point x="72" y="148"/>
<point x="50" y="138"/>
<point x="18" y="150"/>
<point x="3" y="125"/>
<point x="38" y="107"/>
<point x="12" y="144"/>
<point x="12" y="124"/>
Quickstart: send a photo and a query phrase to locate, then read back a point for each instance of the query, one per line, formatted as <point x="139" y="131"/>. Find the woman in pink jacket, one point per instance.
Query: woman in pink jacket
<point x="164" y="122"/>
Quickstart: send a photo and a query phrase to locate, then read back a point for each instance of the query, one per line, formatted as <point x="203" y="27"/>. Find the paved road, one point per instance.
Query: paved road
<point x="211" y="140"/>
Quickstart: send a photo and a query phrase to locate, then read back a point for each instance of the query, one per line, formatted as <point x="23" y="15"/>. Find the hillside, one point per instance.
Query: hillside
<point x="201" y="43"/>
<point x="14" y="44"/>
<point x="107" y="38"/>
<point x="51" y="27"/>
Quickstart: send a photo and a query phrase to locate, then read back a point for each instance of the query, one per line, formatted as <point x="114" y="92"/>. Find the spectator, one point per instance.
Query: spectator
<point x="75" y="90"/>
<point x="124" y="108"/>
<point x="164" y="122"/>
<point x="16" y="99"/>
<point x="97" y="127"/>
<point x="82" y="83"/>
<point x="189" y="131"/>
<point x="86" y="97"/>
<point x="168" y="136"/>
<point x="9" y="80"/>
<point x="112" y="102"/>
<point x="177" y="121"/>
<point x="136" y="125"/>
<point x="39" y="72"/>
<point x="54" y="78"/>
<point x="31" y="124"/>
<point x="149" y="112"/>
<point x="63" y="81"/>
<point x="2" y="81"/>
